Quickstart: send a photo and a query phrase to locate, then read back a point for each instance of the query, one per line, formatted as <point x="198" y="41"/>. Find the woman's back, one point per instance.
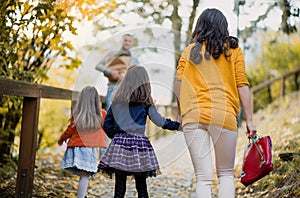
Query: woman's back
<point x="211" y="85"/>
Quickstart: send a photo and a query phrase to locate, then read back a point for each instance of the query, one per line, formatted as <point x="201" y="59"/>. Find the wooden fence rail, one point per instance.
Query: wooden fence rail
<point x="267" y="84"/>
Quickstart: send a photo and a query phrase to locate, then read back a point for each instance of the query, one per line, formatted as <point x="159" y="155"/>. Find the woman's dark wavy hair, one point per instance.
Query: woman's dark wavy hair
<point x="212" y="30"/>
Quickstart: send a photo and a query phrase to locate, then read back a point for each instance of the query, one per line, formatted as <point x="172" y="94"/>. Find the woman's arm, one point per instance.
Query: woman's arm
<point x="244" y="94"/>
<point x="178" y="77"/>
<point x="177" y="95"/>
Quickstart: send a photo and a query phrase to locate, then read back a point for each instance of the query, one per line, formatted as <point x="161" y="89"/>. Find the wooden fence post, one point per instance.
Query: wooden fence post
<point x="269" y="93"/>
<point x="27" y="150"/>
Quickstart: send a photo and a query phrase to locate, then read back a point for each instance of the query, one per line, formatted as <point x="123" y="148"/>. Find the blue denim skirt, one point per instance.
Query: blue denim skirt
<point x="77" y="159"/>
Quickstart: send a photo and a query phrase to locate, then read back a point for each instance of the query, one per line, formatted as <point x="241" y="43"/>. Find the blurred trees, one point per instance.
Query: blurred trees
<point x="53" y="121"/>
<point x="273" y="52"/>
<point x="289" y="13"/>
<point x="274" y="60"/>
<point x="32" y="39"/>
<point x="277" y="57"/>
<point x="167" y="13"/>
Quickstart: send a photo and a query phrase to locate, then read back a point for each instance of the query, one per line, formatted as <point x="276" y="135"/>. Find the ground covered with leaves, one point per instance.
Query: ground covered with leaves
<point x="280" y="120"/>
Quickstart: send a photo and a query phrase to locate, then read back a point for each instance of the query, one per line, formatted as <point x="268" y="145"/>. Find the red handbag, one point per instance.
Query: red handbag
<point x="257" y="160"/>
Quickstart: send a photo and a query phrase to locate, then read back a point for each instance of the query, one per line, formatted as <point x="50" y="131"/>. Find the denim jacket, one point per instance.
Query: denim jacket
<point x="131" y="118"/>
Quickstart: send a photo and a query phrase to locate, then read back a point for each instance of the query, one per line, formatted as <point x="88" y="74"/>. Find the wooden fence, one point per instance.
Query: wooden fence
<point x="31" y="93"/>
<point x="267" y="86"/>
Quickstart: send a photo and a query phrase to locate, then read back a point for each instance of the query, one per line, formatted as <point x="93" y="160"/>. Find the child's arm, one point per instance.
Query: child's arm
<point x="67" y="133"/>
<point x="160" y="121"/>
<point x="109" y="124"/>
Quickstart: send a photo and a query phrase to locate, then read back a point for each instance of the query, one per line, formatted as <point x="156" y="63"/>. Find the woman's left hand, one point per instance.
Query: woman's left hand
<point x="179" y="118"/>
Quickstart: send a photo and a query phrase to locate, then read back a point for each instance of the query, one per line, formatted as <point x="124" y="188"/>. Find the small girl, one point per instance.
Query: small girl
<point x="85" y="136"/>
<point x="130" y="151"/>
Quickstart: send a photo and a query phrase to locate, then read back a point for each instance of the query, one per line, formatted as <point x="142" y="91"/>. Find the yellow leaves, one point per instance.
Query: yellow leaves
<point x="38" y="54"/>
<point x="87" y="8"/>
<point x="69" y="45"/>
<point x="26" y="7"/>
<point x="64" y="4"/>
<point x="55" y="42"/>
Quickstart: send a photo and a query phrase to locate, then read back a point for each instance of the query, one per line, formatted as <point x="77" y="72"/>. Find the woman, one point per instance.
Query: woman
<point x="210" y="82"/>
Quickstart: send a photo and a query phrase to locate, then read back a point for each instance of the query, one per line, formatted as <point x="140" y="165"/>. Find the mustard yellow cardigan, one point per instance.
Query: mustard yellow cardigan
<point x="209" y="90"/>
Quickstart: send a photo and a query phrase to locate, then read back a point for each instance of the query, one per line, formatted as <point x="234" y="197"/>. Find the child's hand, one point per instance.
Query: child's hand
<point x="60" y="142"/>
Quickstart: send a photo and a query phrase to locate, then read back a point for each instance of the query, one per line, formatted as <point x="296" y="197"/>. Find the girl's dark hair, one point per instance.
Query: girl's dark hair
<point x="212" y="30"/>
<point x="135" y="87"/>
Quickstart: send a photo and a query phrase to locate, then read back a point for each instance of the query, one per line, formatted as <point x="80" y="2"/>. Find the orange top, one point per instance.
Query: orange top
<point x="85" y="139"/>
<point x="208" y="92"/>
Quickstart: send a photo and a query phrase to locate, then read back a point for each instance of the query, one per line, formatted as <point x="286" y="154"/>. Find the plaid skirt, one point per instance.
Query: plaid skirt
<point x="132" y="153"/>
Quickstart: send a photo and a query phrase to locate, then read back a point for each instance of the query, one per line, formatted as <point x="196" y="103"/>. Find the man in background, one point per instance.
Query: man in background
<point x="115" y="64"/>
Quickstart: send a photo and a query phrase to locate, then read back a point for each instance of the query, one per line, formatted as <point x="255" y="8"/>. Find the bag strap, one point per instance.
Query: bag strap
<point x="257" y="137"/>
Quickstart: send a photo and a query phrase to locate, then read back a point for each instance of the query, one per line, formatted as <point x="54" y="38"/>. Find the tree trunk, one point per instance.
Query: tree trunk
<point x="191" y="21"/>
<point x="176" y="27"/>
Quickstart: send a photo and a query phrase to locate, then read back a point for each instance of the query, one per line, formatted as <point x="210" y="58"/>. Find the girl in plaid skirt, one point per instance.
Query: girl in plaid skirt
<point x="130" y="151"/>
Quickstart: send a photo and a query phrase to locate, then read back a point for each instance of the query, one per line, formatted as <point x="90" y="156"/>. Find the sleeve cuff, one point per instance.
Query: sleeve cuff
<point x="107" y="72"/>
<point x="171" y="125"/>
<point x="243" y="84"/>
